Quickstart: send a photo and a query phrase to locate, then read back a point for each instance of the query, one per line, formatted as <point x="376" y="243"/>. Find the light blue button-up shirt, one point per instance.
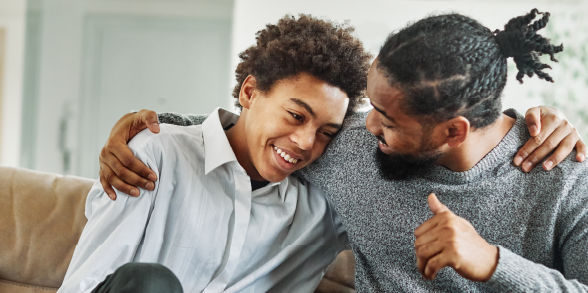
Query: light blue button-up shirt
<point x="205" y="223"/>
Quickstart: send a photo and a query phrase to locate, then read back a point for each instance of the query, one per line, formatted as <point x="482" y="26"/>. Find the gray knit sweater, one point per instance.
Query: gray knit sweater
<point x="539" y="220"/>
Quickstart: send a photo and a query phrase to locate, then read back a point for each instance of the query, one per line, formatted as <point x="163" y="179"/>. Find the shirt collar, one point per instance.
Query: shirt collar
<point x="217" y="149"/>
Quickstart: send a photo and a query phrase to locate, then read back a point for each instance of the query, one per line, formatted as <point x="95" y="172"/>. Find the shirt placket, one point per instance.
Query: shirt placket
<point x="242" y="210"/>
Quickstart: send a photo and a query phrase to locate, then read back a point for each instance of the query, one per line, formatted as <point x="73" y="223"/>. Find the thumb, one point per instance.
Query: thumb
<point x="533" y="119"/>
<point x="149" y="119"/>
<point x="435" y="205"/>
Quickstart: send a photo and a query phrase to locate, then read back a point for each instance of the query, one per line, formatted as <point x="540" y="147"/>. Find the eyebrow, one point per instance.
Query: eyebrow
<point x="383" y="113"/>
<point x="309" y="109"/>
<point x="304" y="105"/>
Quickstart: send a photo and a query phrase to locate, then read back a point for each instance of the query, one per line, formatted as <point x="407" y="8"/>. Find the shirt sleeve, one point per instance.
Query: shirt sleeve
<point x="515" y="273"/>
<point x="112" y="234"/>
<point x="181" y="119"/>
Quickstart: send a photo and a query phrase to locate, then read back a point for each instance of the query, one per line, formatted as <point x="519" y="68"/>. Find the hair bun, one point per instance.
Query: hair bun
<point x="520" y="40"/>
<point x="510" y="42"/>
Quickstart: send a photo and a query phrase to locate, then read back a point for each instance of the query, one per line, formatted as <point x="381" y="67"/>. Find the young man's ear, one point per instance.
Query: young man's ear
<point x="247" y="92"/>
<point x="456" y="131"/>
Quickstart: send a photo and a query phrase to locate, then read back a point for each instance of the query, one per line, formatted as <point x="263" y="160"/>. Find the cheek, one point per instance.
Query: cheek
<point x="399" y="141"/>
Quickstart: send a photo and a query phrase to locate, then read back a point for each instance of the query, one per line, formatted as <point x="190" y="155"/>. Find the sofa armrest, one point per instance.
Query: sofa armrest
<point x="41" y="219"/>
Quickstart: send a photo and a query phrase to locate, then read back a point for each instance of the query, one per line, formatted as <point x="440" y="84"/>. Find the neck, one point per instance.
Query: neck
<point x="476" y="146"/>
<point x="238" y="141"/>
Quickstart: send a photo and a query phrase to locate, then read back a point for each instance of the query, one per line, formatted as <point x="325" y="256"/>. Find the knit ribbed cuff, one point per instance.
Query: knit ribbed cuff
<point x="510" y="274"/>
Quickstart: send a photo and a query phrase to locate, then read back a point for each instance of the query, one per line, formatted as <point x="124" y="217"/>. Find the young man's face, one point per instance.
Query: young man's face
<point x="402" y="140"/>
<point x="289" y="126"/>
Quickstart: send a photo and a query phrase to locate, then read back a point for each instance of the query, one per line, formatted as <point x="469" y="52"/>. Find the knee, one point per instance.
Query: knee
<point x="147" y="277"/>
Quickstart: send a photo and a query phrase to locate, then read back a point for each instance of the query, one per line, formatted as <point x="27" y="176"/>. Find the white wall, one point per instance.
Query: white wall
<point x="76" y="89"/>
<point x="375" y="19"/>
<point x="12" y="20"/>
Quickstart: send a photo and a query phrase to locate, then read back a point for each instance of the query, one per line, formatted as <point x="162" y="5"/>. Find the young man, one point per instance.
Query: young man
<point x="435" y="88"/>
<point x="225" y="215"/>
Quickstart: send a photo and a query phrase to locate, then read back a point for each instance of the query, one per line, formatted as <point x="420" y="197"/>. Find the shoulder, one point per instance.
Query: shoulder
<point x="174" y="148"/>
<point x="169" y="136"/>
<point x="354" y="122"/>
<point x="571" y="170"/>
<point x="353" y="135"/>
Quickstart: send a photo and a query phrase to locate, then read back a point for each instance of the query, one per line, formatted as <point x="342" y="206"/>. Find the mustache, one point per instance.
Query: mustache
<point x="403" y="167"/>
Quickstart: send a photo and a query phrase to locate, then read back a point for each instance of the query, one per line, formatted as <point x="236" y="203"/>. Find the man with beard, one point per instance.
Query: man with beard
<point x="435" y="88"/>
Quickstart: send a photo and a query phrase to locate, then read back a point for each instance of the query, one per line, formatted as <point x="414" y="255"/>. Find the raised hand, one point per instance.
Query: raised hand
<point x="448" y="240"/>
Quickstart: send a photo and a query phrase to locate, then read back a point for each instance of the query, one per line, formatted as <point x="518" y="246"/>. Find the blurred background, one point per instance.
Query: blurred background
<point x="70" y="68"/>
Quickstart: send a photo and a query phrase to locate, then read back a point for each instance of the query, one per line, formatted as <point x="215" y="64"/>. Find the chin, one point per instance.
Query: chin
<point x="273" y="177"/>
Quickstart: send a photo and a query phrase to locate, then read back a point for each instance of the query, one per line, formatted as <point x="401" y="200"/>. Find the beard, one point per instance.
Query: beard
<point x="402" y="167"/>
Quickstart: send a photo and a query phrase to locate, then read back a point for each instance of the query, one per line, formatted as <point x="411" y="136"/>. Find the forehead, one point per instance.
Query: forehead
<point x="324" y="99"/>
<point x="381" y="94"/>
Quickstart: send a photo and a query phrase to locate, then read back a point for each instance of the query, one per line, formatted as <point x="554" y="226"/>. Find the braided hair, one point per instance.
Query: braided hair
<point x="451" y="65"/>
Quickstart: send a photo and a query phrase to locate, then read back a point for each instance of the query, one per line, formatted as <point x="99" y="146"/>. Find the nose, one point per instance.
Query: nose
<point x="371" y="123"/>
<point x="304" y="138"/>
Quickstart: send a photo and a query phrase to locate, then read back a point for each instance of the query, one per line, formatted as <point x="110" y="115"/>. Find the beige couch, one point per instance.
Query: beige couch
<point x="41" y="219"/>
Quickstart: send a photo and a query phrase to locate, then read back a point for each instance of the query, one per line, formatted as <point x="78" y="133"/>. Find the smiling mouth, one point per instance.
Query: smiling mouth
<point x="285" y="156"/>
<point x="381" y="140"/>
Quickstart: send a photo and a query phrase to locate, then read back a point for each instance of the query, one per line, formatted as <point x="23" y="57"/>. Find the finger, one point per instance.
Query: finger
<point x="421" y="265"/>
<point x="128" y="160"/>
<point x="565" y="147"/>
<point x="549" y="123"/>
<point x="436" y="263"/>
<point x="424" y="252"/>
<point x="580" y="151"/>
<point x="107" y="188"/>
<point x="533" y="143"/>
<point x="546" y="147"/>
<point x="150" y="119"/>
<point x="425" y="238"/>
<point x="426" y="226"/>
<point x="435" y="205"/>
<point x="122" y="186"/>
<point x="533" y="120"/>
<point x="129" y="176"/>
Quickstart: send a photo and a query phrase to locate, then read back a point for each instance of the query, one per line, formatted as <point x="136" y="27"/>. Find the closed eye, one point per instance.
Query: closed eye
<point x="296" y="116"/>
<point x="387" y="126"/>
<point x="328" y="134"/>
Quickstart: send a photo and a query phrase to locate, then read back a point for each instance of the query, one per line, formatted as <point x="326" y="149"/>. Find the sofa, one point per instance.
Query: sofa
<point x="41" y="219"/>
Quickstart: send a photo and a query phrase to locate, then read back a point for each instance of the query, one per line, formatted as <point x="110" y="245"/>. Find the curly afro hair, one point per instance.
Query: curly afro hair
<point x="325" y="50"/>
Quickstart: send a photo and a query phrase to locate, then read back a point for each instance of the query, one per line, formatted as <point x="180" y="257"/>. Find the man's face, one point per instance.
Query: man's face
<point x="404" y="144"/>
<point x="289" y="126"/>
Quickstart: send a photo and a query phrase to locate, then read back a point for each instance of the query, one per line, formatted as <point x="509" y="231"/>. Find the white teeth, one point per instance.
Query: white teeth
<point x="285" y="156"/>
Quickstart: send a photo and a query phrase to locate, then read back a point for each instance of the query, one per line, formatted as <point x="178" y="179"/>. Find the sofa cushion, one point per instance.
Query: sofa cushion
<point x="41" y="219"/>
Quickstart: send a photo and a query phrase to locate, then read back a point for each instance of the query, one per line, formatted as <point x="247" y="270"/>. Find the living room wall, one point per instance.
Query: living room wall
<point x="12" y="25"/>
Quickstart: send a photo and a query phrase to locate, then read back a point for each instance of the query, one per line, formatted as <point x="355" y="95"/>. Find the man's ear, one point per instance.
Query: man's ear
<point x="247" y="92"/>
<point x="456" y="131"/>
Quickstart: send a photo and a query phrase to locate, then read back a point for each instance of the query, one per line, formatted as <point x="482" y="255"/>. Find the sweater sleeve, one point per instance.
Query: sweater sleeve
<point x="181" y="119"/>
<point x="514" y="273"/>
